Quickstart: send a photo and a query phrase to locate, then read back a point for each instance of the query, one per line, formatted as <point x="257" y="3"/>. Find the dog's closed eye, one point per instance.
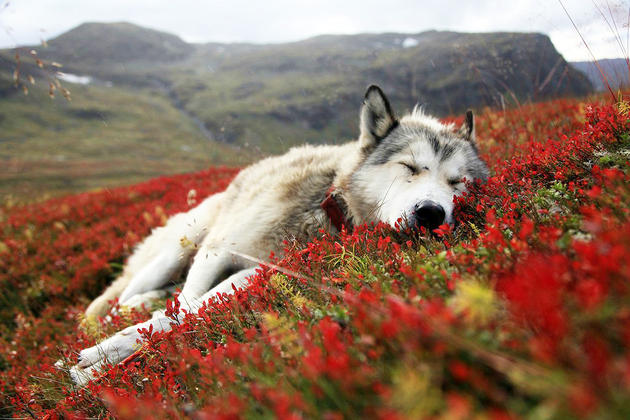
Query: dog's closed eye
<point x="413" y="169"/>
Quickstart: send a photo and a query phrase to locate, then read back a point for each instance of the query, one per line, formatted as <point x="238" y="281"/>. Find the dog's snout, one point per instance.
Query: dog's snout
<point x="429" y="215"/>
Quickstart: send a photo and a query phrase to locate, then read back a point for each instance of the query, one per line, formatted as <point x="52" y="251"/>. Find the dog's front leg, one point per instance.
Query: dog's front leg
<point x="121" y="345"/>
<point x="207" y="268"/>
<point x="237" y="280"/>
<point x="209" y="265"/>
<point x="114" y="349"/>
<point x="156" y="273"/>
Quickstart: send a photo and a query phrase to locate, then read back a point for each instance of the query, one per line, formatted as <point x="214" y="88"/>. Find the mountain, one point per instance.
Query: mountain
<point x="616" y="70"/>
<point x="260" y="99"/>
<point x="275" y="96"/>
<point x="103" y="44"/>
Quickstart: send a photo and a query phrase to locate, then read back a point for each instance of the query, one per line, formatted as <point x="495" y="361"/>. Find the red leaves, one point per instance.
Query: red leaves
<point x="527" y="228"/>
<point x="373" y="322"/>
<point x="172" y="307"/>
<point x="535" y="290"/>
<point x="443" y="230"/>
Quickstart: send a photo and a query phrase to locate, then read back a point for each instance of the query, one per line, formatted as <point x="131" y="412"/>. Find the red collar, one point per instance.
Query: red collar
<point x="333" y="210"/>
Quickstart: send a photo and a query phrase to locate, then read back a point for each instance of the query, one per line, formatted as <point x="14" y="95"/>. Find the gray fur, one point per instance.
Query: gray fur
<point x="444" y="144"/>
<point x="377" y="117"/>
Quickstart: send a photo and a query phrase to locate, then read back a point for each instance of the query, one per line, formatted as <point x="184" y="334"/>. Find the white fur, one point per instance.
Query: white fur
<point x="418" y="116"/>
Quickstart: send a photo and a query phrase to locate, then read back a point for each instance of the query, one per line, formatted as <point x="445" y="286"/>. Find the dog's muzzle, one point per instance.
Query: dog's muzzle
<point x="429" y="214"/>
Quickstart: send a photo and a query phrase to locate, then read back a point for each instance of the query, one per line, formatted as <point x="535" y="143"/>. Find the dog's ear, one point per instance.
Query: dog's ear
<point x="467" y="130"/>
<point x="377" y="118"/>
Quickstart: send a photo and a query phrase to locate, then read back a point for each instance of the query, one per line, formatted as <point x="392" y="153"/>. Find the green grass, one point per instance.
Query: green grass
<point x="103" y="137"/>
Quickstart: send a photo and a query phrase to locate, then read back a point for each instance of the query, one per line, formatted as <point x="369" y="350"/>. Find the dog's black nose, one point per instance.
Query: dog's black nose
<point x="429" y="215"/>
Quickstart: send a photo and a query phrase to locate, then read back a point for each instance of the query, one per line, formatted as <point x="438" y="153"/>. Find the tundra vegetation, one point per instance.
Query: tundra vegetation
<point x="519" y="311"/>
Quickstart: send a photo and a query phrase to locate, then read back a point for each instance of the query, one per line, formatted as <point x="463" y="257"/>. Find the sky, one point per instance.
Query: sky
<point x="28" y="22"/>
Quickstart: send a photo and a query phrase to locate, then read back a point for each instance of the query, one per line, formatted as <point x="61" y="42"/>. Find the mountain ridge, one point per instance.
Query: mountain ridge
<point x="312" y="81"/>
<point x="261" y="99"/>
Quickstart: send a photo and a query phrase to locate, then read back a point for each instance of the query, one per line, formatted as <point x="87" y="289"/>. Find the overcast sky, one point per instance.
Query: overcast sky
<point x="29" y="21"/>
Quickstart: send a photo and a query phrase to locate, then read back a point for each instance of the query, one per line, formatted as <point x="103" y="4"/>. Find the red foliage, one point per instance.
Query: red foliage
<point x="373" y="326"/>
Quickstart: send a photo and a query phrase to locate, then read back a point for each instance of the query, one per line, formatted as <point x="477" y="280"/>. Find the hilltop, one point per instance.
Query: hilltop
<point x="103" y="45"/>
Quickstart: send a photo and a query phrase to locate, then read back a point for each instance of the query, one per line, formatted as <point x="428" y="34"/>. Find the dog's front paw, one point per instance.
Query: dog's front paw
<point x="81" y="376"/>
<point x="112" y="351"/>
<point x="147" y="299"/>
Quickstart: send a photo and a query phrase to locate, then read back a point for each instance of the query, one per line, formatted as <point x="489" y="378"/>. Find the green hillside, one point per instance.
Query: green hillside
<point x="103" y="137"/>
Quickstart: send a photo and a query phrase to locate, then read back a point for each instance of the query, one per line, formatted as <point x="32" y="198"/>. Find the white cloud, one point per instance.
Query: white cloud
<point x="28" y="21"/>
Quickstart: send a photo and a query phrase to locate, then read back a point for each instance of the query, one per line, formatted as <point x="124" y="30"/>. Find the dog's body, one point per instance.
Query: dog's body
<point x="406" y="169"/>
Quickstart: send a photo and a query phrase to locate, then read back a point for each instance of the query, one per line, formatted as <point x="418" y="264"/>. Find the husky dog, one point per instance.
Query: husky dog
<point x="409" y="168"/>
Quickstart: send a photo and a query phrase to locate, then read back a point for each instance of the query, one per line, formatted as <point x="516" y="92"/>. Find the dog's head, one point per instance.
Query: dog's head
<point x="412" y="167"/>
